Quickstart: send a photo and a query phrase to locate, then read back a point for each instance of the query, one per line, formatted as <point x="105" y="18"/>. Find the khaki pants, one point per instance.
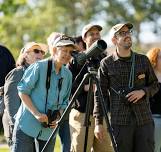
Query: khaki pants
<point x="77" y="130"/>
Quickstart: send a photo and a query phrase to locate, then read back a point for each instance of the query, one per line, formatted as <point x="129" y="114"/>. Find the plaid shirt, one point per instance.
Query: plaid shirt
<point x="113" y="74"/>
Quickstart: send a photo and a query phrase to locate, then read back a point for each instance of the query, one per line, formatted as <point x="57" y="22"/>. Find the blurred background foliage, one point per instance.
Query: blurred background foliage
<point x="33" y="20"/>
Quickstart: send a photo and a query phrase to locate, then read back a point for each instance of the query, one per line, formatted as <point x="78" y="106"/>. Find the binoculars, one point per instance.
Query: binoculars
<point x="52" y="116"/>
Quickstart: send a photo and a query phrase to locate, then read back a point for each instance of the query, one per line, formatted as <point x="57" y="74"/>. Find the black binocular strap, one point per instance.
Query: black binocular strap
<point x="59" y="87"/>
<point x="48" y="78"/>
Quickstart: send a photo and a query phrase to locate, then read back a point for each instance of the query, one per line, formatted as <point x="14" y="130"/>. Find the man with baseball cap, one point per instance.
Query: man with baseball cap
<point x="38" y="100"/>
<point x="90" y="34"/>
<point x="88" y="27"/>
<point x="130" y="80"/>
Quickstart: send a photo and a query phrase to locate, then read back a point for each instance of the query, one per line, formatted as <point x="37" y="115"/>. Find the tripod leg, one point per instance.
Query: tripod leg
<point x="88" y="112"/>
<point x="105" y="112"/>
<point x="67" y="110"/>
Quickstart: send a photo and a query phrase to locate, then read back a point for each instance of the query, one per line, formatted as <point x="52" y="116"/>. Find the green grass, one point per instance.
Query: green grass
<point x="4" y="150"/>
<point x="57" y="147"/>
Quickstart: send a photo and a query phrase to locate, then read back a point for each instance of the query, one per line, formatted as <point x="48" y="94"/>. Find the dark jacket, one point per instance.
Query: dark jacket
<point x="75" y="68"/>
<point x="11" y="99"/>
<point x="7" y="63"/>
<point x="155" y="102"/>
<point x="114" y="75"/>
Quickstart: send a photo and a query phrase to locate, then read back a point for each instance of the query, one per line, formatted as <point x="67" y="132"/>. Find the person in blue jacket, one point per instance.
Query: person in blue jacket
<point x="31" y="118"/>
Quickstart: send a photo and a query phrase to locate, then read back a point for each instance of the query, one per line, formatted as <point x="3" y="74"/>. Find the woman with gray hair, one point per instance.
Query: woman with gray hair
<point x="64" y="131"/>
<point x="31" y="53"/>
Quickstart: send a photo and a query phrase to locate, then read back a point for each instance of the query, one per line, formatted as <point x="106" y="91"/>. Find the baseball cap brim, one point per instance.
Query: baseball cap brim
<point x="129" y="25"/>
<point x="61" y="43"/>
<point x="29" y="45"/>
<point x="118" y="27"/>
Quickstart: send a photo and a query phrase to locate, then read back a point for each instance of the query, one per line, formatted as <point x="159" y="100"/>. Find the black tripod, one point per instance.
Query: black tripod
<point x="91" y="76"/>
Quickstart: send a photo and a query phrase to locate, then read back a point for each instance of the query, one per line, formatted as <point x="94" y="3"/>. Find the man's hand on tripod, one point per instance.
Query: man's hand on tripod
<point x="99" y="132"/>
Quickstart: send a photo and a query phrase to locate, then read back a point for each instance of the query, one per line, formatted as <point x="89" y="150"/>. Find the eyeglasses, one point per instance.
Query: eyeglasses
<point x="38" y="51"/>
<point x="124" y="33"/>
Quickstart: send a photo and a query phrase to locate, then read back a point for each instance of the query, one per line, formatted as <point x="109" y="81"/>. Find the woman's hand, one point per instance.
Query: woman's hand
<point x="41" y="117"/>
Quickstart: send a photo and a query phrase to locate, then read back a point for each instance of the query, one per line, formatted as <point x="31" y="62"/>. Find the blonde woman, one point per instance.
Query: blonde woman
<point x="31" y="53"/>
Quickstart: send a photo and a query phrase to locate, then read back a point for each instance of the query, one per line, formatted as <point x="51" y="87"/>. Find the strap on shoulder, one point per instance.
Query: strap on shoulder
<point x="48" y="77"/>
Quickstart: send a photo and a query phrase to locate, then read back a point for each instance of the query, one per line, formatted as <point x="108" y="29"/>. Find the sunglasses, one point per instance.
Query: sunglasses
<point x="37" y="51"/>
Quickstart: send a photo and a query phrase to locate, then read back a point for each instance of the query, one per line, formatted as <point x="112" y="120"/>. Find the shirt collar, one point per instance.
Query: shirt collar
<point x="62" y="72"/>
<point x="116" y="57"/>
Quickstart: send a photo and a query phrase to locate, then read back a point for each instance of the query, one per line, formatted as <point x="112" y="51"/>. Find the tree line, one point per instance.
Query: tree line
<point x="31" y="20"/>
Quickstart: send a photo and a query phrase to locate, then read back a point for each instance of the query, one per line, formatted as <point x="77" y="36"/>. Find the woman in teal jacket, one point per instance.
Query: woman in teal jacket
<point x="32" y="113"/>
